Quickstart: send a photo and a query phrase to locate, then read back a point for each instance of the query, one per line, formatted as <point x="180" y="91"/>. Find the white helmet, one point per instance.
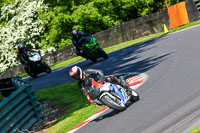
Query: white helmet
<point x="20" y="46"/>
<point x="74" y="32"/>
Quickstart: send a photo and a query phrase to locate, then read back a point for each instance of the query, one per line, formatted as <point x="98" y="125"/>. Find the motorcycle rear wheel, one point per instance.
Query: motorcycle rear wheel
<point x="107" y="100"/>
<point x="30" y="72"/>
<point x="102" y="53"/>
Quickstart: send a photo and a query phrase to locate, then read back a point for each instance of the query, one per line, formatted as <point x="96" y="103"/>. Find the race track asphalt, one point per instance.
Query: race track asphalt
<point x="169" y="99"/>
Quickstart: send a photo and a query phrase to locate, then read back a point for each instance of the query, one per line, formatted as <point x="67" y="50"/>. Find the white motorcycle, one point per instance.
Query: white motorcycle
<point x="112" y="95"/>
<point x="36" y="65"/>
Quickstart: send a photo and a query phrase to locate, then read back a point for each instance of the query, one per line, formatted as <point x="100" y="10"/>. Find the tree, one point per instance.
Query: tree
<point x="21" y="25"/>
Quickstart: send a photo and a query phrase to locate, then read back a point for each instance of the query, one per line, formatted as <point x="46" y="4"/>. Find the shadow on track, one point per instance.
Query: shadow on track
<point x="111" y="113"/>
<point x="129" y="59"/>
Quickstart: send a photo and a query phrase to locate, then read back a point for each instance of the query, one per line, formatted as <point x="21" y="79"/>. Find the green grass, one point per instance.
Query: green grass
<point x="195" y="130"/>
<point x="78" y="108"/>
<point x="23" y="75"/>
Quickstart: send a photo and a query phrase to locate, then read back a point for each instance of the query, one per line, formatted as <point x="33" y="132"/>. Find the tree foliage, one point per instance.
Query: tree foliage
<point x="90" y="16"/>
<point x="20" y="25"/>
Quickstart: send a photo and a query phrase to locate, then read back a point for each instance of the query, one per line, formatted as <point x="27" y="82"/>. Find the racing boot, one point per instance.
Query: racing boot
<point x="98" y="103"/>
<point x="128" y="91"/>
<point x="125" y="85"/>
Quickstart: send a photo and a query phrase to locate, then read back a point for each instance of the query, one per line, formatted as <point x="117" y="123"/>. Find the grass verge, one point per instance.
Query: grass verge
<point x="78" y="108"/>
<point x="195" y="130"/>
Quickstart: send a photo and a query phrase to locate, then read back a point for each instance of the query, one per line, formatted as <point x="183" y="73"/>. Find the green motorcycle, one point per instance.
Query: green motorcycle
<point x="92" y="49"/>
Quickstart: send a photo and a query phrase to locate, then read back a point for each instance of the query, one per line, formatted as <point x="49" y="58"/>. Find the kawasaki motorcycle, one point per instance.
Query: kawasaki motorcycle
<point x="36" y="65"/>
<point x="92" y="49"/>
<point x="111" y="95"/>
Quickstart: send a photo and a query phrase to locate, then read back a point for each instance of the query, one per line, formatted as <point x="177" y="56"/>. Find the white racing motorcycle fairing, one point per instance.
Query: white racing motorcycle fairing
<point x="108" y="88"/>
<point x="35" y="56"/>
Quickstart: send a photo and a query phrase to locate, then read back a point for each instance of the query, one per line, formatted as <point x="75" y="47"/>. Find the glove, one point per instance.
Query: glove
<point x="123" y="83"/>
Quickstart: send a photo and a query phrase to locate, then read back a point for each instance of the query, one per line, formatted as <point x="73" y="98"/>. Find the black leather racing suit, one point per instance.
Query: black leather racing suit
<point x="98" y="75"/>
<point x="77" y="41"/>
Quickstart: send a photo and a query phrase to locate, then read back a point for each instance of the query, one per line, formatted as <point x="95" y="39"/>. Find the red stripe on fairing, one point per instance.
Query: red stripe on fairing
<point x="135" y="83"/>
<point x="81" y="124"/>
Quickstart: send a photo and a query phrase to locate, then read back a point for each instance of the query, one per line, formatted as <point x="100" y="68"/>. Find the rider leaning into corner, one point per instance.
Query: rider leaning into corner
<point x="83" y="81"/>
<point x="22" y="54"/>
<point x="78" y="38"/>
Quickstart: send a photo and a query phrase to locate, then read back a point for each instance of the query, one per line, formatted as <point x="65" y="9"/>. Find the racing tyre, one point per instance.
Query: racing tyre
<point x="30" y="72"/>
<point x="134" y="96"/>
<point x="102" y="53"/>
<point x="116" y="105"/>
<point x="47" y="69"/>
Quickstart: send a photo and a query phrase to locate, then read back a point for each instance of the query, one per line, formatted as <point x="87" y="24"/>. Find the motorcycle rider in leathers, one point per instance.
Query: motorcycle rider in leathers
<point x="78" y="38"/>
<point x="83" y="81"/>
<point x="22" y="54"/>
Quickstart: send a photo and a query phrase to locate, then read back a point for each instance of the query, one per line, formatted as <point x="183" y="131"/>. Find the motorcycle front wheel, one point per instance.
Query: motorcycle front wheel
<point x="114" y="104"/>
<point x="47" y="69"/>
